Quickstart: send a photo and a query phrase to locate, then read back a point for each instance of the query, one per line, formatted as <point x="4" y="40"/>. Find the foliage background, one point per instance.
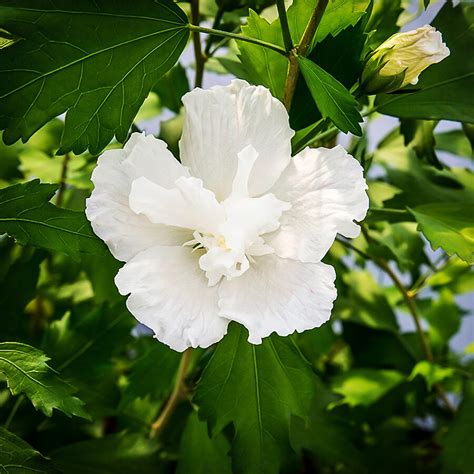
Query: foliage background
<point x="387" y="385"/>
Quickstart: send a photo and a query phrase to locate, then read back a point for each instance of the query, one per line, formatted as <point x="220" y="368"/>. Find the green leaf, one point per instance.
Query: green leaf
<point x="26" y="215"/>
<point x="364" y="386"/>
<point x="262" y="65"/>
<point x="449" y="226"/>
<point x="200" y="454"/>
<point x="457" y="456"/>
<point x="432" y="373"/>
<point x="445" y="89"/>
<point x="455" y="142"/>
<point x="171" y="87"/>
<point x="339" y="15"/>
<point x="256" y="388"/>
<point x="418" y="182"/>
<point x="419" y="135"/>
<point x="115" y="454"/>
<point x="27" y="372"/>
<point x="444" y="318"/>
<point x="85" y="343"/>
<point x="328" y="435"/>
<point x="334" y="101"/>
<point x="17" y="456"/>
<point x="95" y="60"/>
<point x="152" y="373"/>
<point x="365" y="302"/>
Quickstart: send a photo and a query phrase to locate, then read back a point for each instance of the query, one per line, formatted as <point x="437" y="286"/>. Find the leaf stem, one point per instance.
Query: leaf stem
<point x="199" y="57"/>
<point x="227" y="34"/>
<point x="179" y="392"/>
<point x="302" y="50"/>
<point x="62" y="180"/>
<point x="215" y="26"/>
<point x="15" y="408"/>
<point x="285" y="29"/>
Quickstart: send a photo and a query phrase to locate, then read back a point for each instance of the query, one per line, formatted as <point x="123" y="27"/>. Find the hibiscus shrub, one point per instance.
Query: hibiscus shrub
<point x="243" y="248"/>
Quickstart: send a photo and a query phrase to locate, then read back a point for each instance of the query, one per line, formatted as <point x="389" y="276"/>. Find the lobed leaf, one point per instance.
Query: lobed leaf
<point x="257" y="389"/>
<point x="95" y="60"/>
<point x="334" y="101"/>
<point x="27" y="372"/>
<point x="26" y="215"/>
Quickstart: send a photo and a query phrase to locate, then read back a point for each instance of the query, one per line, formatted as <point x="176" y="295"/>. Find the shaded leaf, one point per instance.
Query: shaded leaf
<point x="95" y="60"/>
<point x="27" y="372"/>
<point x="17" y="456"/>
<point x="121" y="453"/>
<point x="458" y="456"/>
<point x="171" y="87"/>
<point x="333" y="100"/>
<point x="26" y="215"/>
<point x="201" y="454"/>
<point x="238" y="386"/>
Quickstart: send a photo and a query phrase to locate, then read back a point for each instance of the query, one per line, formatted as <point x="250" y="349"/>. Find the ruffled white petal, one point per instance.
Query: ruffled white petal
<point x="221" y="122"/>
<point x="188" y="205"/>
<point x="327" y="192"/>
<point x="169" y="294"/>
<point x="279" y="295"/>
<point x="108" y="210"/>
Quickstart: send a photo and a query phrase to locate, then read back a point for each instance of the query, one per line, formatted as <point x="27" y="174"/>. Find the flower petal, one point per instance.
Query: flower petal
<point x="279" y="295"/>
<point x="108" y="210"/>
<point x="170" y="295"/>
<point x="187" y="205"/>
<point x="221" y="122"/>
<point x="326" y="189"/>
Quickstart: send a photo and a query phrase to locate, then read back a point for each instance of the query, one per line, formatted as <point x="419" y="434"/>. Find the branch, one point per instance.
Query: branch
<point x="179" y="392"/>
<point x="285" y="29"/>
<point x="302" y="50"/>
<point x="409" y="300"/>
<point x="235" y="36"/>
<point x="200" y="58"/>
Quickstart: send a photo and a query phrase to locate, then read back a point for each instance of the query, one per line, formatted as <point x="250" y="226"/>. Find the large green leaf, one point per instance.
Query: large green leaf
<point x="445" y="89"/>
<point x="97" y="60"/>
<point x="26" y="215"/>
<point x="449" y="226"/>
<point x="17" y="456"/>
<point x="257" y="389"/>
<point x="27" y="372"/>
<point x="200" y="454"/>
<point x="334" y="101"/>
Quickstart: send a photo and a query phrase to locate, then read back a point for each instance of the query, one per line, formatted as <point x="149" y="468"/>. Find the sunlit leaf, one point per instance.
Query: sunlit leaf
<point x="27" y="372"/>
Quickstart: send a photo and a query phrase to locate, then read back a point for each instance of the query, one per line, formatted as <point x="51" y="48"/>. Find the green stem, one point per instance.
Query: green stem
<point x="179" y="392"/>
<point x="237" y="37"/>
<point x="199" y="57"/>
<point x="285" y="29"/>
<point x="215" y="26"/>
<point x="12" y="414"/>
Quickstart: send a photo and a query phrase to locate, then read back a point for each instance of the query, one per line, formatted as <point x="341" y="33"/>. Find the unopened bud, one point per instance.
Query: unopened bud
<point x="399" y="60"/>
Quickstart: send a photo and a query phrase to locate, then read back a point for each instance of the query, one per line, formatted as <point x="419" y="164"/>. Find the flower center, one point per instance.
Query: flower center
<point x="228" y="233"/>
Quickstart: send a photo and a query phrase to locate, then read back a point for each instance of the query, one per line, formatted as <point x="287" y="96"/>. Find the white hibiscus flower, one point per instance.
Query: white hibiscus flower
<point x="234" y="233"/>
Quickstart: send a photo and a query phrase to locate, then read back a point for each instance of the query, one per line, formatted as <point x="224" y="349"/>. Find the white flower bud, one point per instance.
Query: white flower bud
<point x="400" y="60"/>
